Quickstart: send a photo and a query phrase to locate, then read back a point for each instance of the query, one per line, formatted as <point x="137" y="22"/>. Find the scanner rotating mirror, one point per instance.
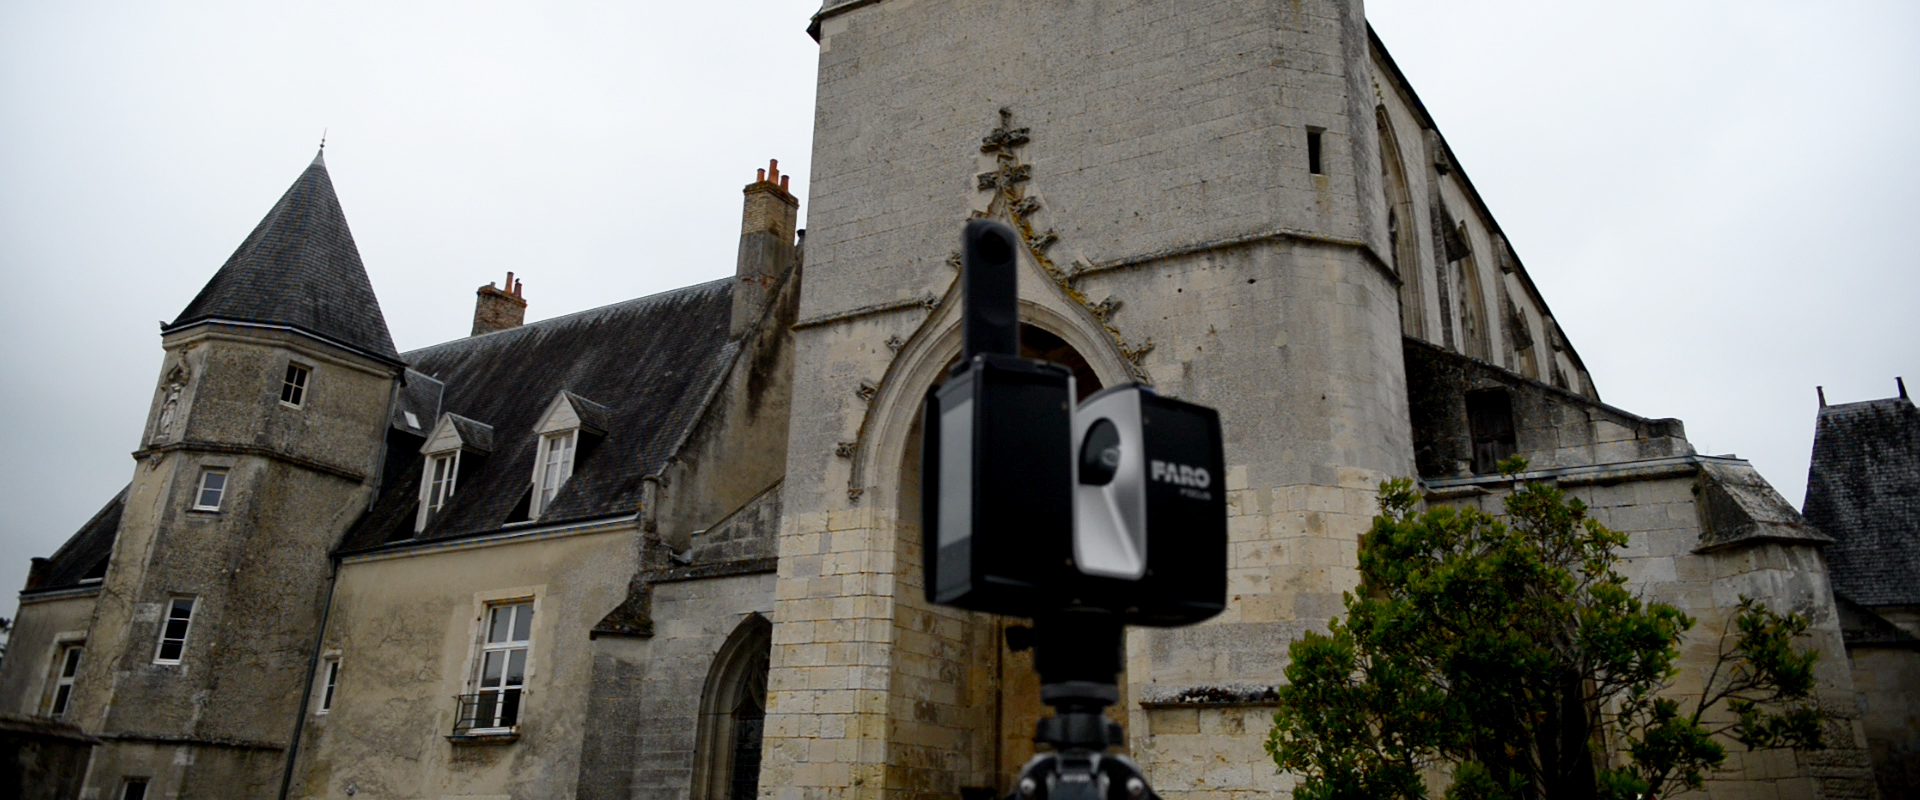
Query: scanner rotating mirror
<point x="1110" y="499"/>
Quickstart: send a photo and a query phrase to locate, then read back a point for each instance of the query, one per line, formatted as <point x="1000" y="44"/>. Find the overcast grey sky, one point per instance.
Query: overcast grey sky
<point x="1715" y="198"/>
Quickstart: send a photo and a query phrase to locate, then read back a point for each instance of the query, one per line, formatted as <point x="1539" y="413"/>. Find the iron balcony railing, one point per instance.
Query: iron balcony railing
<point x="487" y="712"/>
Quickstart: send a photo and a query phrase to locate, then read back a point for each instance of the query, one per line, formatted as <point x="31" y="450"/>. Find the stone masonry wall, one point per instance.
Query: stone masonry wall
<point x="1178" y="237"/>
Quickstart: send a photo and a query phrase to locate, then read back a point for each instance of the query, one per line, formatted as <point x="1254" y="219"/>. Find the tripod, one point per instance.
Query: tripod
<point x="1077" y="654"/>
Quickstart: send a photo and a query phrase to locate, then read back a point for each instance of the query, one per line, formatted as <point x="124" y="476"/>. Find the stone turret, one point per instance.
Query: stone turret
<point x="261" y="446"/>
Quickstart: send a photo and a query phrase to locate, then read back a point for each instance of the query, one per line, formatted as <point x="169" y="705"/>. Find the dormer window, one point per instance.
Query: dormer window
<point x="556" y="466"/>
<point x="563" y="432"/>
<point x="442" y="473"/>
<point x="454" y="444"/>
<point x="293" y="391"/>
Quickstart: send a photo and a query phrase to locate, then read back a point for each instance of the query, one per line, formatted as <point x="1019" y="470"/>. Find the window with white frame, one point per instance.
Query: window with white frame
<point x="443" y="471"/>
<point x="329" y="680"/>
<point x="133" y="789"/>
<point x="293" y="391"/>
<point x="65" y="667"/>
<point x="501" y="672"/>
<point x="555" y="467"/>
<point x="173" y="631"/>
<point x="212" y="488"/>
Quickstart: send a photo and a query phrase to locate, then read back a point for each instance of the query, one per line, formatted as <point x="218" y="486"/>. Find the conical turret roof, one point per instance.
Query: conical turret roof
<point x="299" y="268"/>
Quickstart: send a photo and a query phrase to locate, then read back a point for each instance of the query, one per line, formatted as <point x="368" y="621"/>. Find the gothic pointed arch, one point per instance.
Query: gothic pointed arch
<point x="733" y="711"/>
<point x="1402" y="242"/>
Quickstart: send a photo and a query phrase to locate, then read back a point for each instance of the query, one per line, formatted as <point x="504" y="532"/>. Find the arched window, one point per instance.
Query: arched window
<point x="1402" y="244"/>
<point x="733" y="713"/>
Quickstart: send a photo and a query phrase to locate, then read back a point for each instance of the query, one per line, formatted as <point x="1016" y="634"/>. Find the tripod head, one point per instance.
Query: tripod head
<point x="1077" y="653"/>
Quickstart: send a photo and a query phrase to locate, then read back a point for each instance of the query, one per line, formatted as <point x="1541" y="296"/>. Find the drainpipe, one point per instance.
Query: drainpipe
<point x="313" y="668"/>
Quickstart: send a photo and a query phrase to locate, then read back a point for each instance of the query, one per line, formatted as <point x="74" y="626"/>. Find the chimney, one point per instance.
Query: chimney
<point x="37" y="572"/>
<point x="766" y="245"/>
<point x="499" y="309"/>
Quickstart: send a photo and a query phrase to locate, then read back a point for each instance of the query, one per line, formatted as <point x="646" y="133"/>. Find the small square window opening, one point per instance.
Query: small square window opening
<point x="213" y="487"/>
<point x="1313" y="151"/>
<point x="294" y="391"/>
<point x="134" y="789"/>
<point x="173" y="632"/>
<point x="65" y="669"/>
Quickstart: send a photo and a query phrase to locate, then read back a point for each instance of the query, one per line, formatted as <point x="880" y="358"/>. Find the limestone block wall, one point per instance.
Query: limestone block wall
<point x="406" y="628"/>
<point x="692" y="619"/>
<point x="1886" y="679"/>
<point x="1176" y="235"/>
<point x="1665" y="561"/>
<point x="41" y="629"/>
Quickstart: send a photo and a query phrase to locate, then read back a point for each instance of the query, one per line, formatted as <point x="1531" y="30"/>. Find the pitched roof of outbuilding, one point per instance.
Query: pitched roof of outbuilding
<point x="85" y="553"/>
<point x="643" y="368"/>
<point x="299" y="268"/>
<point x="1863" y="488"/>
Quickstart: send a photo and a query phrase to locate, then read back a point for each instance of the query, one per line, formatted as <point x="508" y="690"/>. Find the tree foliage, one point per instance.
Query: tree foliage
<point x="1509" y="649"/>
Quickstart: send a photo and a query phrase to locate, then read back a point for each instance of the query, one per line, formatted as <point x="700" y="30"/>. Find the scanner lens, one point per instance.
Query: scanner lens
<point x="1100" y="453"/>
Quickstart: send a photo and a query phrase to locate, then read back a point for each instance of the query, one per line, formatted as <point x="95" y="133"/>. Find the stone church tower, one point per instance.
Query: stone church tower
<point x="1200" y="195"/>
<point x="1243" y="204"/>
<point x="261" y="447"/>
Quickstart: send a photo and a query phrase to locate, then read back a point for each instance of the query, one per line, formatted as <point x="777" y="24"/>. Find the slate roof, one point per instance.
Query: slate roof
<point x="644" y="369"/>
<point x="1860" y="627"/>
<point x="474" y="434"/>
<point x="1863" y="488"/>
<point x="85" y="554"/>
<point x="299" y="268"/>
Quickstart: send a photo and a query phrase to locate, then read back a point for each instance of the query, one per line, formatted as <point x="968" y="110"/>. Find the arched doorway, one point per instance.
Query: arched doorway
<point x="1000" y="700"/>
<point x="733" y="712"/>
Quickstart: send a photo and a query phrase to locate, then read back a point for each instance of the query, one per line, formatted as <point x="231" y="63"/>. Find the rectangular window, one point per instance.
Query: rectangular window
<point x="66" y="666"/>
<point x="502" y="671"/>
<point x="134" y="789"/>
<point x="329" y="679"/>
<point x="442" y="472"/>
<point x="213" y="486"/>
<point x="293" y="392"/>
<point x="173" y="632"/>
<point x="1313" y="151"/>
<point x="556" y="467"/>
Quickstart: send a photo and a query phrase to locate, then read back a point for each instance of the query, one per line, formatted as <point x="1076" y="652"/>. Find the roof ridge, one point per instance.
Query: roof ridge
<point x="505" y="333"/>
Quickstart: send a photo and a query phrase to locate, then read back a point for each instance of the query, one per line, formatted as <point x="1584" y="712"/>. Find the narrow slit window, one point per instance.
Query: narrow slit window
<point x="213" y="488"/>
<point x="329" y="680"/>
<point x="64" y="672"/>
<point x="1313" y="151"/>
<point x="173" y="632"/>
<point x="293" y="392"/>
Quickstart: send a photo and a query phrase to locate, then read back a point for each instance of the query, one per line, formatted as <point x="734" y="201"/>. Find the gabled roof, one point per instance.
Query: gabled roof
<point x="299" y="268"/>
<point x="1863" y="488"/>
<point x="86" y="552"/>
<point x="647" y="365"/>
<point x="1860" y="627"/>
<point x="458" y="432"/>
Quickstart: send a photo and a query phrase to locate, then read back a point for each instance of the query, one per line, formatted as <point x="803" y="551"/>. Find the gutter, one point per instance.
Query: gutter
<point x="313" y="668"/>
